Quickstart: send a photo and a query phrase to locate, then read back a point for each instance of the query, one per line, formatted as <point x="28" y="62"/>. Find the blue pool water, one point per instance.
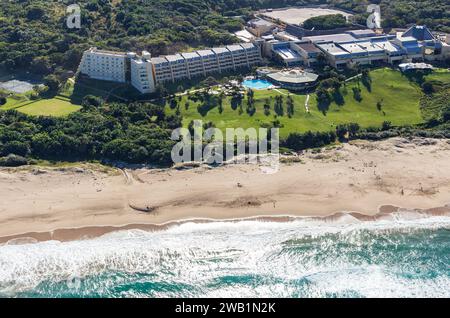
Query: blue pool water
<point x="256" y="84"/>
<point x="402" y="257"/>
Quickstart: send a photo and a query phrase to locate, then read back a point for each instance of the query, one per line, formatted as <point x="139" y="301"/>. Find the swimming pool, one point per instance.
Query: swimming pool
<point x="257" y="84"/>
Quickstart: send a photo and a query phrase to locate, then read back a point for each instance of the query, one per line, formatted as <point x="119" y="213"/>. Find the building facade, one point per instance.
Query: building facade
<point x="144" y="72"/>
<point x="104" y="65"/>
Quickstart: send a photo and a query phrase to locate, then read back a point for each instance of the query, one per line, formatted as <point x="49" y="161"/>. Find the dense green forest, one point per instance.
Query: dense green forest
<point x="134" y="133"/>
<point x="33" y="33"/>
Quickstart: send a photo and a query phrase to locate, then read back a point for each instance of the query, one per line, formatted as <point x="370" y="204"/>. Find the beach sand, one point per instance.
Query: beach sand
<point x="362" y="177"/>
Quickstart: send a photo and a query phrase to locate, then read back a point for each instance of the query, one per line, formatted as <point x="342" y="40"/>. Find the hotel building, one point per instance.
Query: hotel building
<point x="145" y="72"/>
<point x="104" y="65"/>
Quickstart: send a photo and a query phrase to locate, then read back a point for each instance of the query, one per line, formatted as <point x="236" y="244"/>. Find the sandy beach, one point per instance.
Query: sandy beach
<point x="361" y="177"/>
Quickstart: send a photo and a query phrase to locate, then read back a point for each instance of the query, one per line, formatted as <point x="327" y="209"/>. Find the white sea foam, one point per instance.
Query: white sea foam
<point x="301" y="257"/>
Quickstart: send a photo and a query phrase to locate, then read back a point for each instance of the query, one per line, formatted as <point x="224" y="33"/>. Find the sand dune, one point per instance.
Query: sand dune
<point x="356" y="177"/>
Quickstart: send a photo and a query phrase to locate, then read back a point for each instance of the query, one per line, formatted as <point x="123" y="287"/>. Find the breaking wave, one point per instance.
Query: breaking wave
<point x="403" y="256"/>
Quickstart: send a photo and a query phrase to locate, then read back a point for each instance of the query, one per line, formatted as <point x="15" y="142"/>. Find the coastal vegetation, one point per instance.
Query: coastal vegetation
<point x="389" y="104"/>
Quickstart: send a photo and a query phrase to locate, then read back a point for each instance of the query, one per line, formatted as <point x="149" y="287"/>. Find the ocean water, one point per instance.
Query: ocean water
<point x="405" y="256"/>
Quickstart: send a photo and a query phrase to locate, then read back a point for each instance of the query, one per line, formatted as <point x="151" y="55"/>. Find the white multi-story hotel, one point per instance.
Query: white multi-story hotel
<point x="144" y="72"/>
<point x="104" y="65"/>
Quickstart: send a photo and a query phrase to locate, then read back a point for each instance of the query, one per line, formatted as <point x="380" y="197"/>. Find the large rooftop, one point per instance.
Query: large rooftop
<point x="247" y="45"/>
<point x="353" y="48"/>
<point x="370" y="47"/>
<point x="363" y="33"/>
<point x="332" y="48"/>
<point x="339" y="37"/>
<point x="308" y="47"/>
<point x="388" y="46"/>
<point x="158" y="60"/>
<point x="205" y="52"/>
<point x="106" y="52"/>
<point x="235" y="47"/>
<point x="299" y="15"/>
<point x="190" y="55"/>
<point x="174" y="58"/>
<point x="219" y="50"/>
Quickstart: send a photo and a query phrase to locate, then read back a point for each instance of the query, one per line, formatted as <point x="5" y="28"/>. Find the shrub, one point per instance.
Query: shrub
<point x="13" y="161"/>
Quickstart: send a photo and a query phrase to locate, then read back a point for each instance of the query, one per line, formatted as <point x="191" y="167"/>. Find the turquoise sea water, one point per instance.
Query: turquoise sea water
<point x="400" y="257"/>
<point x="257" y="84"/>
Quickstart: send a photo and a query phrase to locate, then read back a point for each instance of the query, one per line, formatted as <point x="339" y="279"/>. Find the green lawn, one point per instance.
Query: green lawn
<point x="398" y="96"/>
<point x="57" y="106"/>
<point x="49" y="107"/>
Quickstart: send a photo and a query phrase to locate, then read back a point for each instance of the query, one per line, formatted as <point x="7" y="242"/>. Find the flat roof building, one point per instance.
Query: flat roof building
<point x="340" y="37"/>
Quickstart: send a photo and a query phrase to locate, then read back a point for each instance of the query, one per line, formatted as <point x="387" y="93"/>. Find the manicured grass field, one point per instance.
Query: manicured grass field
<point x="57" y="106"/>
<point x="399" y="100"/>
<point x="49" y="107"/>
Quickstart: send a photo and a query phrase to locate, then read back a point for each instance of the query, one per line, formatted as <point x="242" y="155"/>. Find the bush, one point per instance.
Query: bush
<point x="91" y="101"/>
<point x="2" y="100"/>
<point x="427" y="87"/>
<point x="13" y="161"/>
<point x="298" y="141"/>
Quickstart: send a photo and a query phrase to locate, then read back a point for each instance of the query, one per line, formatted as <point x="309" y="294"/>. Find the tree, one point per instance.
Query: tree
<point x="16" y="147"/>
<point x="221" y="98"/>
<point x="380" y="105"/>
<point x="325" y="22"/>
<point x="341" y="132"/>
<point x="445" y="114"/>
<point x="41" y="65"/>
<point x="353" y="129"/>
<point x="290" y="106"/>
<point x="91" y="102"/>
<point x="35" y="13"/>
<point x="52" y="82"/>
<point x="267" y="107"/>
<point x="2" y="100"/>
<point x="386" y="125"/>
<point x="357" y="94"/>
<point x="323" y="100"/>
<point x="427" y="87"/>
<point x="173" y="103"/>
<point x="278" y="107"/>
<point x="161" y="91"/>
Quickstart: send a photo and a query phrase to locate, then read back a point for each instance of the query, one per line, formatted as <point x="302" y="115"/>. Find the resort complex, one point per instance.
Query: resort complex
<point x="273" y="39"/>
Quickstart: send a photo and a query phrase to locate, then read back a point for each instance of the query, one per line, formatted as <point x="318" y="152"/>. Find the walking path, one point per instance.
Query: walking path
<point x="275" y="89"/>
<point x="306" y="103"/>
<point x="353" y="77"/>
